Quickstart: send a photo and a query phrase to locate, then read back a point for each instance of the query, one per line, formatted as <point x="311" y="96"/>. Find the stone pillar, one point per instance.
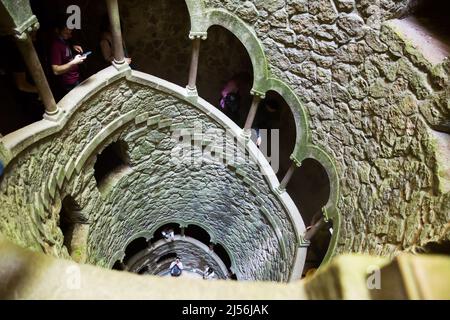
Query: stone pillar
<point x="26" y="47"/>
<point x="287" y="178"/>
<point x="252" y="113"/>
<point x="314" y="229"/>
<point x="193" y="70"/>
<point x="114" y="18"/>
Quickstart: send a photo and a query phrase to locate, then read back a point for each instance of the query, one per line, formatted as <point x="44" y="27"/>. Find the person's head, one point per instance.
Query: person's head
<point x="232" y="101"/>
<point x="177" y="259"/>
<point x="65" y="33"/>
<point x="63" y="30"/>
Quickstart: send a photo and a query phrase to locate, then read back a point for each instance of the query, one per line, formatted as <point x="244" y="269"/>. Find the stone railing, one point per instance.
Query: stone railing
<point x="194" y="254"/>
<point x="230" y="192"/>
<point x="28" y="275"/>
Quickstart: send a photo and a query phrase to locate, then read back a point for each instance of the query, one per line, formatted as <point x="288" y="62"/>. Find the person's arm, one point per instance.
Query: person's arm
<point x="78" y="49"/>
<point x="62" y="69"/>
<point x="258" y="137"/>
<point x="22" y="84"/>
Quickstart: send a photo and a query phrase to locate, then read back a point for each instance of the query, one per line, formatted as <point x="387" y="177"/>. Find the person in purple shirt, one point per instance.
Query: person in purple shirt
<point x="65" y="65"/>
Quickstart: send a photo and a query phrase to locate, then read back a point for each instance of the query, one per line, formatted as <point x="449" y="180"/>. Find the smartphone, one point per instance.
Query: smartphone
<point x="86" y="54"/>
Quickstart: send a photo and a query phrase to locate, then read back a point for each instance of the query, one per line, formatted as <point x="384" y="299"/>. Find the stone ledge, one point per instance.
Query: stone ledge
<point x="31" y="275"/>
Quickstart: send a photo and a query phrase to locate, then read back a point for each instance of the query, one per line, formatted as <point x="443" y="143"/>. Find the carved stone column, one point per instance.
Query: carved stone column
<point x="193" y="70"/>
<point x="252" y="113"/>
<point x="116" y="31"/>
<point x="26" y="47"/>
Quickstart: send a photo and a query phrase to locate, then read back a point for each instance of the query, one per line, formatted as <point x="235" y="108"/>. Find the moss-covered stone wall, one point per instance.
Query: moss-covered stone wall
<point x="372" y="99"/>
<point x="233" y="201"/>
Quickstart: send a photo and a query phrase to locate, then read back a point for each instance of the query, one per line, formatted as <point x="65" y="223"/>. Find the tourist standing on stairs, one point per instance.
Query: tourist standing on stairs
<point x="65" y="59"/>
<point x="230" y="101"/>
<point x="176" y="268"/>
<point x="168" y="234"/>
<point x="208" y="274"/>
<point x="232" y="97"/>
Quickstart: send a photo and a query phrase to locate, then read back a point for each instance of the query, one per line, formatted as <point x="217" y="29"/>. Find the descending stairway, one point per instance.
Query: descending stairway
<point x="230" y="192"/>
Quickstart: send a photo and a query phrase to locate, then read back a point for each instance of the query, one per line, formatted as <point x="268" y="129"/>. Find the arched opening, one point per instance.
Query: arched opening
<point x="70" y="217"/>
<point x="112" y="160"/>
<point x="49" y="14"/>
<point x="442" y="248"/>
<point x="119" y="265"/>
<point x="275" y="124"/>
<point x="143" y="270"/>
<point x="20" y="102"/>
<point x="158" y="235"/>
<point x="223" y="58"/>
<point x="134" y="247"/>
<point x="309" y="188"/>
<point x="169" y="256"/>
<point x="318" y="247"/>
<point x="426" y="27"/>
<point x="223" y="255"/>
<point x="156" y="33"/>
<point x="198" y="233"/>
<point x="432" y="14"/>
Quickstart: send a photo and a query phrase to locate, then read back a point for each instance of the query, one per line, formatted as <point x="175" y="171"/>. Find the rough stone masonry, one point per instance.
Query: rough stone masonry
<point x="372" y="99"/>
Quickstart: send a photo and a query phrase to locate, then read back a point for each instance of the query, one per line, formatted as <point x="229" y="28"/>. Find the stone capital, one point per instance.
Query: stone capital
<point x="198" y="35"/>
<point x="257" y="93"/>
<point x="22" y="32"/>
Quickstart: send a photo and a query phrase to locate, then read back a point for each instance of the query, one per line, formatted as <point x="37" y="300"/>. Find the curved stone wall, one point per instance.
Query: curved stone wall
<point x="194" y="255"/>
<point x="235" y="202"/>
<point x="372" y="98"/>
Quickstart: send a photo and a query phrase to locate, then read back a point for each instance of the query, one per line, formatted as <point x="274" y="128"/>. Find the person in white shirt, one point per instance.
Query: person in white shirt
<point x="176" y="268"/>
<point x="208" y="274"/>
<point x="168" y="234"/>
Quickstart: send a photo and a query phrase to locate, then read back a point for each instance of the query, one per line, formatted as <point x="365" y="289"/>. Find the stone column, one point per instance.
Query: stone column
<point x="26" y="47"/>
<point x="193" y="70"/>
<point x="114" y="18"/>
<point x="314" y="229"/>
<point x="252" y="113"/>
<point x="287" y="177"/>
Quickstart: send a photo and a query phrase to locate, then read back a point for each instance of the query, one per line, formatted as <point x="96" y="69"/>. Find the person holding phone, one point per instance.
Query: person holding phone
<point x="65" y="59"/>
